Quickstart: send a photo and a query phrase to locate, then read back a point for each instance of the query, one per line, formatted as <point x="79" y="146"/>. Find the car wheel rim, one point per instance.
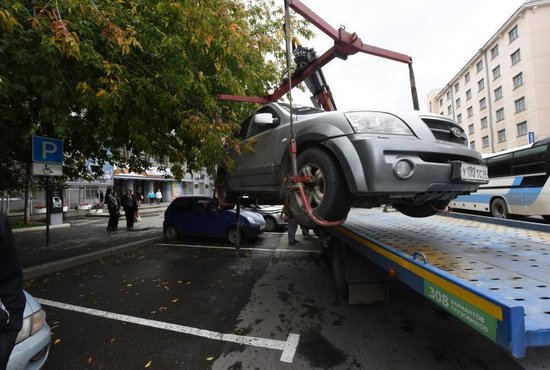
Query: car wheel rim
<point x="315" y="188"/>
<point x="270" y="225"/>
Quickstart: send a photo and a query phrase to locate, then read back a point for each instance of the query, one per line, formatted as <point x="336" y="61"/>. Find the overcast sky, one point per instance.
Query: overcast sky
<point x="440" y="35"/>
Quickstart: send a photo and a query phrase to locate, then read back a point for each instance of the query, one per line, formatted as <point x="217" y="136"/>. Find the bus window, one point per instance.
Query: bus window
<point x="530" y="161"/>
<point x="500" y="165"/>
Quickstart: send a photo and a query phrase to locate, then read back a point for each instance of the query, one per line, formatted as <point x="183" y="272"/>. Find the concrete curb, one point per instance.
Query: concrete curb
<point x="55" y="266"/>
<point x="36" y="228"/>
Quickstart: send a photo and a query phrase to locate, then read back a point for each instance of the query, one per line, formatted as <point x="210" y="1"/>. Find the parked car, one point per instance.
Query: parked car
<point x="33" y="341"/>
<point x="416" y="161"/>
<point x="272" y="216"/>
<point x="202" y="216"/>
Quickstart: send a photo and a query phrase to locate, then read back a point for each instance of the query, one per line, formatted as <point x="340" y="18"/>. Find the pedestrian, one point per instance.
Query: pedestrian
<point x="286" y="214"/>
<point x="130" y="205"/>
<point x="151" y="196"/>
<point x="158" y="195"/>
<point x="113" y="207"/>
<point x="12" y="298"/>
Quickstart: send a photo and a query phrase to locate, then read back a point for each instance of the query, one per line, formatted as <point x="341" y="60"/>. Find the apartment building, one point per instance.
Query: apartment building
<point x="501" y="97"/>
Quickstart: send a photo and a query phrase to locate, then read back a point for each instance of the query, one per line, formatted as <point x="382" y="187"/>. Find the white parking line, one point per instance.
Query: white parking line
<point x="288" y="347"/>
<point x="314" y="251"/>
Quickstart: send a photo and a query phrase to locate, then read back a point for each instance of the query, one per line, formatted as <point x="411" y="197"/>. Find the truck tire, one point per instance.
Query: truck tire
<point x="499" y="209"/>
<point x="327" y="192"/>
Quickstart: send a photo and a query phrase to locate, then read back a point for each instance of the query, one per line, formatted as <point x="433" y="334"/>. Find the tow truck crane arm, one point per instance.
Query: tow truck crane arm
<point x="345" y="44"/>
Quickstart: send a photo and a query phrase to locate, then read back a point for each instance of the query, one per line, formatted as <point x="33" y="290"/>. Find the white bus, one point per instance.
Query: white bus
<point x="518" y="184"/>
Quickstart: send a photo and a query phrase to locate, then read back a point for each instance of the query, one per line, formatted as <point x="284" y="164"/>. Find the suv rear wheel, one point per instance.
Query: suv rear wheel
<point x="326" y="191"/>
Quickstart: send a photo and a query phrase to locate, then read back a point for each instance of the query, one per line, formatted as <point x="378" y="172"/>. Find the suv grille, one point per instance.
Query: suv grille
<point x="443" y="131"/>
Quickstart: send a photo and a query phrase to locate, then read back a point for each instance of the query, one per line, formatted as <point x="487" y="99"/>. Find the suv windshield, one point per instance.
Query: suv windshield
<point x="300" y="109"/>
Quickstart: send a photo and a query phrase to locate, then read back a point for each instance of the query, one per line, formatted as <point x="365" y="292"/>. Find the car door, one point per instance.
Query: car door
<point x="206" y="220"/>
<point x="257" y="169"/>
<point x="180" y="215"/>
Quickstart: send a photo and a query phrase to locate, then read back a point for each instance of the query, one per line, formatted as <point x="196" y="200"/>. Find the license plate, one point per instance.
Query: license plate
<point x="473" y="173"/>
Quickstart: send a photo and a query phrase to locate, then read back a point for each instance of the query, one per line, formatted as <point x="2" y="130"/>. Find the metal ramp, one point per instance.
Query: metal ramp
<point x="495" y="278"/>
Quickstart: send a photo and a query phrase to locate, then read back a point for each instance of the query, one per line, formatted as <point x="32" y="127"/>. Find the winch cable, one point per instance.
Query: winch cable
<point x="297" y="181"/>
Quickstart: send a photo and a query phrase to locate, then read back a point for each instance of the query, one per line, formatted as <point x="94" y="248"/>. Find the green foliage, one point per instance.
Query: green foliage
<point x="119" y="81"/>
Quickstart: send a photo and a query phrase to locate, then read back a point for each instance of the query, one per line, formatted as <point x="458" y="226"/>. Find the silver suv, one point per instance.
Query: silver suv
<point x="417" y="162"/>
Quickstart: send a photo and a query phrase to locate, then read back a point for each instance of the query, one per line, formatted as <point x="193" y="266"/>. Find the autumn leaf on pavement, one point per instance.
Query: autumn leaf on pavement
<point x="148" y="364"/>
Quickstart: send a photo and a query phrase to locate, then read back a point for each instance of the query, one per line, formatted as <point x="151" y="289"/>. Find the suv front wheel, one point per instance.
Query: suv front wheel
<point x="326" y="190"/>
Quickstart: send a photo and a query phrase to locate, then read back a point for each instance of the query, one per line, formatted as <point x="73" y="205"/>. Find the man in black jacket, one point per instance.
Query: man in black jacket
<point x="12" y="299"/>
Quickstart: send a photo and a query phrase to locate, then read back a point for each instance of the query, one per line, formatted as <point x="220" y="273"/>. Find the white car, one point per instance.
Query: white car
<point x="33" y="341"/>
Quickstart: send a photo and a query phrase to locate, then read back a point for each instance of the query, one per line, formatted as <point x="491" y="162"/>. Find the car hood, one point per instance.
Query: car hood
<point x="254" y="215"/>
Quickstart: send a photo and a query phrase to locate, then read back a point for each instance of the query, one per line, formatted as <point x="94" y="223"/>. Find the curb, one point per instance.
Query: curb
<point x="55" y="266"/>
<point x="37" y="228"/>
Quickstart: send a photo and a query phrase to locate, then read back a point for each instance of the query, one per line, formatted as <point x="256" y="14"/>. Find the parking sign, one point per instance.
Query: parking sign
<point x="531" y="137"/>
<point x="47" y="150"/>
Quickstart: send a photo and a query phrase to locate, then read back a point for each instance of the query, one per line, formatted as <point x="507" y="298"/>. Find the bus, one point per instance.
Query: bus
<point x="518" y="184"/>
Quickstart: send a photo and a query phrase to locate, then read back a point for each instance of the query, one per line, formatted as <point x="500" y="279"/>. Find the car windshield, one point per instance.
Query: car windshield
<point x="300" y="109"/>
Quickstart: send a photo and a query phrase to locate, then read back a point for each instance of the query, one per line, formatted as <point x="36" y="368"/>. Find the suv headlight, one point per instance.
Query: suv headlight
<point x="377" y="123"/>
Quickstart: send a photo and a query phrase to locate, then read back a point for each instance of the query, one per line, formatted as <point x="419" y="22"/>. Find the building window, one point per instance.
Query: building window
<point x="520" y="105"/>
<point x="449" y="109"/>
<point x="484" y="122"/>
<point x="482" y="103"/>
<point x="471" y="128"/>
<point x="480" y="84"/>
<point x="479" y="66"/>
<point x="442" y="113"/>
<point x="459" y="118"/>
<point x="513" y="34"/>
<point x="498" y="93"/>
<point x="522" y="128"/>
<point x="500" y="114"/>
<point x="469" y="94"/>
<point x="470" y="111"/>
<point x="485" y="141"/>
<point x="458" y="102"/>
<point x="501" y="136"/>
<point x="448" y="95"/>
<point x="440" y="102"/>
<point x="473" y="145"/>
<point x="516" y="56"/>
<point x="494" y="51"/>
<point x="496" y="72"/>
<point x="457" y="86"/>
<point x="518" y="80"/>
<point x="467" y="77"/>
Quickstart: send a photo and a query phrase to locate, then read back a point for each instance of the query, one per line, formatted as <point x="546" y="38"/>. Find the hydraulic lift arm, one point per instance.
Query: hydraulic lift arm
<point x="345" y="44"/>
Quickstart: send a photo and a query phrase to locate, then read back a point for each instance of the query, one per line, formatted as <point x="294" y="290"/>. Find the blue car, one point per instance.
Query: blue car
<point x="202" y="216"/>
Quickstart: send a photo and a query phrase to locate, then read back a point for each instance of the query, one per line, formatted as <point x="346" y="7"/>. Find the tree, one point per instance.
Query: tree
<point x="118" y="81"/>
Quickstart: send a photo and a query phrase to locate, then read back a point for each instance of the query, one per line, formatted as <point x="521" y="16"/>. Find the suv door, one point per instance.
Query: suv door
<point x="257" y="169"/>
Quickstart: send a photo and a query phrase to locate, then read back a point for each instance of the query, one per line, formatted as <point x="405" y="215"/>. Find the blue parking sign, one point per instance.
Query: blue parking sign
<point x="47" y="150"/>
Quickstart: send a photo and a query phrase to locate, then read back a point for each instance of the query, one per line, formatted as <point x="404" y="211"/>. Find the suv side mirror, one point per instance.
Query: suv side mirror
<point x="265" y="119"/>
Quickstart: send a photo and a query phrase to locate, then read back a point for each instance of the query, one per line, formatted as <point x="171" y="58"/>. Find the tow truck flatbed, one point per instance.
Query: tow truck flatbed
<point x="493" y="277"/>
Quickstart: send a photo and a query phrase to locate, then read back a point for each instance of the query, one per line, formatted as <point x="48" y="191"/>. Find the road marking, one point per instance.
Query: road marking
<point x="242" y="249"/>
<point x="288" y="346"/>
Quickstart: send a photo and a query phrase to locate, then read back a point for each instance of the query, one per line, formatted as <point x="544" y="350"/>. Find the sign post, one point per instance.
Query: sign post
<point x="47" y="160"/>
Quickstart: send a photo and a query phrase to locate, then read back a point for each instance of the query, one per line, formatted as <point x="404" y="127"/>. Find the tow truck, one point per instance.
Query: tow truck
<point x="493" y="275"/>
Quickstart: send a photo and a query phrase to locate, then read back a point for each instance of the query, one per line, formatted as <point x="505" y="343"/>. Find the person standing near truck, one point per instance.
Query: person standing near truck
<point x="130" y="205"/>
<point x="12" y="298"/>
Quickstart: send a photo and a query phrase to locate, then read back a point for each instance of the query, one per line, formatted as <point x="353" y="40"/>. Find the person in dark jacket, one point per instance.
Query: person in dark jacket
<point x="112" y="206"/>
<point x="12" y="298"/>
<point x="130" y="205"/>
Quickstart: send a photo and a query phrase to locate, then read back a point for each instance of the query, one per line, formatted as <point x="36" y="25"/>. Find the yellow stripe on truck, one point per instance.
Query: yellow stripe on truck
<point x="477" y="301"/>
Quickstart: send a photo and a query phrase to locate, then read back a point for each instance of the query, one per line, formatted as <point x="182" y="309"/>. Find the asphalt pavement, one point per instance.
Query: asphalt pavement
<point x="82" y="237"/>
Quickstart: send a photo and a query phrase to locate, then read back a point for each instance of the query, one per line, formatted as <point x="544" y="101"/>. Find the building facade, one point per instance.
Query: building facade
<point x="501" y="97"/>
